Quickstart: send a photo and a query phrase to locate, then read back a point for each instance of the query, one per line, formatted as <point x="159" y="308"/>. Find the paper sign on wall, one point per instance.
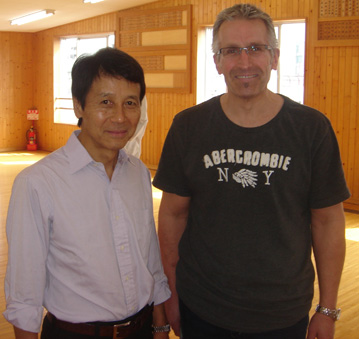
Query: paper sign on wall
<point x="32" y="114"/>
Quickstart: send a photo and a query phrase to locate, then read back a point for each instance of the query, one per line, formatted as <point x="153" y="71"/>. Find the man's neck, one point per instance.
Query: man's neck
<point x="110" y="165"/>
<point x="107" y="157"/>
<point x="252" y="111"/>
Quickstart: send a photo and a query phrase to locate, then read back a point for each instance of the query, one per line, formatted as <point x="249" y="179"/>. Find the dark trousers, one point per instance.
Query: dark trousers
<point x="193" y="327"/>
<point x="49" y="331"/>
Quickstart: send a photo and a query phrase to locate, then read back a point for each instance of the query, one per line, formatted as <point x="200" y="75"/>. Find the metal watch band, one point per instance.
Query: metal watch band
<point x="165" y="328"/>
<point x="332" y="313"/>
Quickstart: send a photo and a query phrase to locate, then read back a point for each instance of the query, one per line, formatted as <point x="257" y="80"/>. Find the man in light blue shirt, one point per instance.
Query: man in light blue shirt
<point x="80" y="227"/>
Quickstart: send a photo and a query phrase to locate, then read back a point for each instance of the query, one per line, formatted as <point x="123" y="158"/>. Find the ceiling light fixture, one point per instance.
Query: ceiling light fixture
<point x="91" y="1"/>
<point x="32" y="17"/>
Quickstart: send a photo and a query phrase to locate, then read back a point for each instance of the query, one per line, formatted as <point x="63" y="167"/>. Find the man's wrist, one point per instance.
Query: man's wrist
<point x="332" y="313"/>
<point x="159" y="329"/>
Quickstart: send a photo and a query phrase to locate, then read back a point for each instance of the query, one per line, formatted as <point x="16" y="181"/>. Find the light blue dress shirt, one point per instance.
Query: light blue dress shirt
<point x="82" y="246"/>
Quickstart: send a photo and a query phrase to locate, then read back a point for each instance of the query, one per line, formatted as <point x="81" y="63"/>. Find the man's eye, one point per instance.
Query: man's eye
<point x="231" y="51"/>
<point x="131" y="103"/>
<point x="256" y="48"/>
<point x="106" y="102"/>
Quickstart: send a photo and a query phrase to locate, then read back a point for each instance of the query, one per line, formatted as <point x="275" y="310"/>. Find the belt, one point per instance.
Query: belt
<point x="115" y="330"/>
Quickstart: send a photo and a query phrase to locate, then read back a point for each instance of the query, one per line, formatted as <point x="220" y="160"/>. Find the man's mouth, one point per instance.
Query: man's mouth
<point x="246" y="76"/>
<point x="118" y="133"/>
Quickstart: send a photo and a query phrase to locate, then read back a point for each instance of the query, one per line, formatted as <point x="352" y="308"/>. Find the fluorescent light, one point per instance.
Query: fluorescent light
<point x="33" y="17"/>
<point x="91" y="1"/>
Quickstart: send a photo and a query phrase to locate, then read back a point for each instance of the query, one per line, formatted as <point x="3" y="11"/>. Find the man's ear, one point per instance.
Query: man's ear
<point x="77" y="108"/>
<point x="216" y="62"/>
<point x="275" y="58"/>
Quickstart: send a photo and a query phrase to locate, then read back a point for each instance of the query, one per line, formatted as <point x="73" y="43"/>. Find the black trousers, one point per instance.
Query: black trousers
<point x="193" y="327"/>
<point x="49" y="331"/>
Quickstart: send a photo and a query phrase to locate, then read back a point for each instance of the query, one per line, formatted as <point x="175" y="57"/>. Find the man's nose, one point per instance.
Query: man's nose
<point x="243" y="57"/>
<point x="119" y="114"/>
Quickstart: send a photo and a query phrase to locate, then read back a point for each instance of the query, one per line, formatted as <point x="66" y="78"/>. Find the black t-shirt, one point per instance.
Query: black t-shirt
<point x="245" y="256"/>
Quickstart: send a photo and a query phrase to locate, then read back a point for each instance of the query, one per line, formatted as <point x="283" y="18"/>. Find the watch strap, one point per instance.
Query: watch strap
<point x="165" y="328"/>
<point x="332" y="313"/>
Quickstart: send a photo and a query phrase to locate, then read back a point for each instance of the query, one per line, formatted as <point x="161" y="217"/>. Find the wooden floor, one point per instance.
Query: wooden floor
<point x="347" y="327"/>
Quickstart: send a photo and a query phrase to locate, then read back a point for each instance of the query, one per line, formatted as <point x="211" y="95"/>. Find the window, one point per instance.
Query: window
<point x="209" y="82"/>
<point x="68" y="49"/>
<point x="287" y="80"/>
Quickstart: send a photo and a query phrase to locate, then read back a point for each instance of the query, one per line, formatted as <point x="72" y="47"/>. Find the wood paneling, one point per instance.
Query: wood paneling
<point x="331" y="80"/>
<point x="154" y="37"/>
<point x="16" y="89"/>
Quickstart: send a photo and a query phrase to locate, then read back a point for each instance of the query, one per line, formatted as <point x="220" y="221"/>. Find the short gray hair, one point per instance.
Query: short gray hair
<point x="246" y="12"/>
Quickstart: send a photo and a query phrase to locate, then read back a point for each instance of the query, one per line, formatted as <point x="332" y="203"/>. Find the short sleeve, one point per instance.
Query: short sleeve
<point x="170" y="176"/>
<point x="328" y="185"/>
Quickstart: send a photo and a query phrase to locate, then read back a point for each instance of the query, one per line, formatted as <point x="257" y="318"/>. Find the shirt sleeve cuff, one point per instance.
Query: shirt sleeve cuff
<point x="161" y="293"/>
<point x="25" y="317"/>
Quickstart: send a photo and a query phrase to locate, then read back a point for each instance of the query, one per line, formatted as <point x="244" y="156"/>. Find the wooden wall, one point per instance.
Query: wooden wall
<point x="331" y="81"/>
<point x="333" y="89"/>
<point x="16" y="88"/>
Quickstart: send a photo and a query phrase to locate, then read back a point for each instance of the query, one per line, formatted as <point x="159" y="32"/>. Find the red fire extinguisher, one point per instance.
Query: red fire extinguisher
<point x="31" y="139"/>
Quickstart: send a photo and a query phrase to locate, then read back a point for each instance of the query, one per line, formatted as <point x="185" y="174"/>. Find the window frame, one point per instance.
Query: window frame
<point x="277" y="25"/>
<point x="63" y="107"/>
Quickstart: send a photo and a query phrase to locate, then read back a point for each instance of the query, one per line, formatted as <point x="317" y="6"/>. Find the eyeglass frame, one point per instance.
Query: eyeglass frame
<point x="247" y="49"/>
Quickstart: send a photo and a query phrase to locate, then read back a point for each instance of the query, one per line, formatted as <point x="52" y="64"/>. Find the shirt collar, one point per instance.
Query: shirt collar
<point x="80" y="158"/>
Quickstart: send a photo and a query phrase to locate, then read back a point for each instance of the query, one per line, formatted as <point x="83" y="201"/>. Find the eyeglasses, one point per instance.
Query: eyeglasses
<point x="252" y="51"/>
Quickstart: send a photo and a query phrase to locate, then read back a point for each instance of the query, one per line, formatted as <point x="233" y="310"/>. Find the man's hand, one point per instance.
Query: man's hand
<point x="161" y="335"/>
<point x="321" y="327"/>
<point x="160" y="319"/>
<point x="21" y="334"/>
<point x="173" y="314"/>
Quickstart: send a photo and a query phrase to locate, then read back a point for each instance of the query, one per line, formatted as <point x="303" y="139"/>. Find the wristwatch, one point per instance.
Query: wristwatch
<point x="334" y="314"/>
<point x="157" y="329"/>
